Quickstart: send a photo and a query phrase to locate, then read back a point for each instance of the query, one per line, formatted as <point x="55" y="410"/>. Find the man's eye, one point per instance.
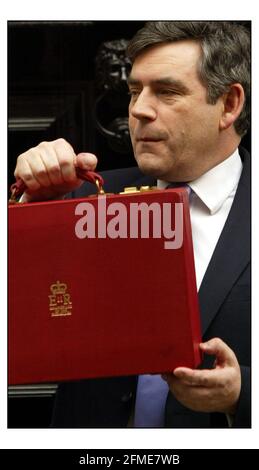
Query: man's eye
<point x="167" y="92"/>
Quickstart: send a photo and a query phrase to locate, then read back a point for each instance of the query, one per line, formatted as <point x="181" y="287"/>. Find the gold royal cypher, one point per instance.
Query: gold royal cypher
<point x="59" y="300"/>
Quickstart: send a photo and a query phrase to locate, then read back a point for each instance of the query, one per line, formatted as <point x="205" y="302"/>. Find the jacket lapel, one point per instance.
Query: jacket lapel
<point x="232" y="252"/>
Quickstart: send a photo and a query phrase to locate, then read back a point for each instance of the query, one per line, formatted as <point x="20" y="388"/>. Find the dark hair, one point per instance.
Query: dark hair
<point x="225" y="55"/>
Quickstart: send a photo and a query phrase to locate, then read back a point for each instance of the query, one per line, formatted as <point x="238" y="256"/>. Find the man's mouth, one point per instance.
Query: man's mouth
<point x="148" y="139"/>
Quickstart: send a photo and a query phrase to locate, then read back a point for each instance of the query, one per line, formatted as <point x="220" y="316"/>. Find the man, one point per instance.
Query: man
<point x="189" y="108"/>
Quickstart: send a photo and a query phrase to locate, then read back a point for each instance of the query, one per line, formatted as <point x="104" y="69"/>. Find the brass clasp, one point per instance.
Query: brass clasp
<point x="142" y="189"/>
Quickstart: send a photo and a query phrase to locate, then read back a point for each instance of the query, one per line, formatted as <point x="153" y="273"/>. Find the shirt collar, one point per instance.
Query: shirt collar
<point x="214" y="186"/>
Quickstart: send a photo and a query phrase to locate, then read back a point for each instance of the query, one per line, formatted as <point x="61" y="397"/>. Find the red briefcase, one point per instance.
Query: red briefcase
<point x="98" y="288"/>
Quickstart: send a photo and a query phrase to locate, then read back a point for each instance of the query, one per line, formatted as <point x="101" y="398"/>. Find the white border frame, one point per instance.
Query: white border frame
<point x="125" y="438"/>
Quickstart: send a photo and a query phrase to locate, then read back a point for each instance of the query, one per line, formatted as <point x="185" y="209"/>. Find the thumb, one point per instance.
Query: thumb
<point x="85" y="161"/>
<point x="221" y="350"/>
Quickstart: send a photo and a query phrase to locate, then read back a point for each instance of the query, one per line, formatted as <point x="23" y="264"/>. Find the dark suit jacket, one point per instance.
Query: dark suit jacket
<point x="224" y="298"/>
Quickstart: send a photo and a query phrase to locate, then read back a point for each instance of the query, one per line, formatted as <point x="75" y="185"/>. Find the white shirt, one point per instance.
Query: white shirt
<point x="210" y="202"/>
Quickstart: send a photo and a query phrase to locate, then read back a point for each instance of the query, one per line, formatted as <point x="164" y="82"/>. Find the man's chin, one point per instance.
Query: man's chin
<point x="149" y="167"/>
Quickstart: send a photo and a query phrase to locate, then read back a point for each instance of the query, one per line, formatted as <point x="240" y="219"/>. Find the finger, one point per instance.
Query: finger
<point x="198" y="378"/>
<point x="86" y="161"/>
<point x="39" y="170"/>
<point x="66" y="158"/>
<point x="24" y="171"/>
<point x="33" y="171"/>
<point x="196" y="398"/>
<point x="50" y="160"/>
<point x="221" y="350"/>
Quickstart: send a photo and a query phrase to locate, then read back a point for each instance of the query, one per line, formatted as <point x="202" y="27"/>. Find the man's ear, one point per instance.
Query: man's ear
<point x="233" y="103"/>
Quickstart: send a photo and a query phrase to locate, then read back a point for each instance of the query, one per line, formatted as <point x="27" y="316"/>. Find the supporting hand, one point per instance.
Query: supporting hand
<point x="209" y="390"/>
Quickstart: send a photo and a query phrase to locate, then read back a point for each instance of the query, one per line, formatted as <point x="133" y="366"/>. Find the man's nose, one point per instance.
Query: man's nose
<point x="143" y="107"/>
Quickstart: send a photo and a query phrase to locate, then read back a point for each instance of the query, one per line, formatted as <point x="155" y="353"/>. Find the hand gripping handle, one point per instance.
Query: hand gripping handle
<point x="18" y="188"/>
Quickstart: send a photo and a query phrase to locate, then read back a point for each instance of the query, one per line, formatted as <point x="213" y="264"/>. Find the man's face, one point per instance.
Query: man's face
<point x="174" y="131"/>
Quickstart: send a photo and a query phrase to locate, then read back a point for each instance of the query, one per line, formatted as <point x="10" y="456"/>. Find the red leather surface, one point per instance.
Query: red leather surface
<point x="134" y="303"/>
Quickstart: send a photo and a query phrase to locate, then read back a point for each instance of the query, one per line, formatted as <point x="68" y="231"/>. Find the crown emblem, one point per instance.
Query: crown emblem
<point x="58" y="288"/>
<point x="59" y="300"/>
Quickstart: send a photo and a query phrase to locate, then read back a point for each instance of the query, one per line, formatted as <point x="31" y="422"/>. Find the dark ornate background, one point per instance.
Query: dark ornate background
<point x="54" y="82"/>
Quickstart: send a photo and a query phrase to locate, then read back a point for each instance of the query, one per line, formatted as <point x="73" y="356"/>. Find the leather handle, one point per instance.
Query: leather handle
<point x="18" y="188"/>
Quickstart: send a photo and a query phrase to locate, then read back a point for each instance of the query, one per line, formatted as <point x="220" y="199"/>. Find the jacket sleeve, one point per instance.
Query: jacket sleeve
<point x="242" y="418"/>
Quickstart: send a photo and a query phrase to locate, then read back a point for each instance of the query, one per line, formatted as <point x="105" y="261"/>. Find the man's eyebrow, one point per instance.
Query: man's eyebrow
<point x="166" y="81"/>
<point x="131" y="81"/>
